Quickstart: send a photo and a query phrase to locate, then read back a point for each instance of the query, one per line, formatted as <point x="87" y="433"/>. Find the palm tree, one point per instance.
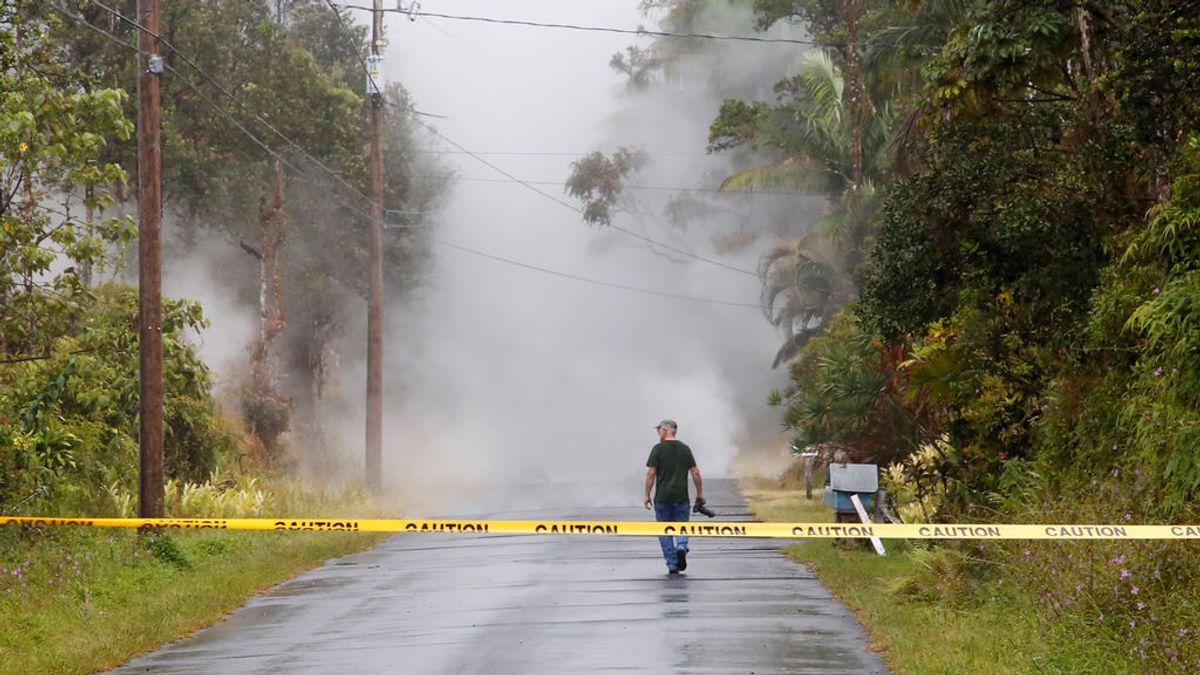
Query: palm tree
<point x="803" y="287"/>
<point x="813" y="133"/>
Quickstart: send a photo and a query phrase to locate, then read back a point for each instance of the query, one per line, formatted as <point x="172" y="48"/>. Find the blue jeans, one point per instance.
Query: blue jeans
<point x="678" y="512"/>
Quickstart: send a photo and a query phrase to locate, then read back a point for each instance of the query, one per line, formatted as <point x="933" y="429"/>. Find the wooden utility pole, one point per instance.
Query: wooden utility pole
<point x="150" y="383"/>
<point x="375" y="292"/>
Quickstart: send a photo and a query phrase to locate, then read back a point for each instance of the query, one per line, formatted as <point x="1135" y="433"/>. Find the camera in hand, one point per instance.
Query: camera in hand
<point x="699" y="507"/>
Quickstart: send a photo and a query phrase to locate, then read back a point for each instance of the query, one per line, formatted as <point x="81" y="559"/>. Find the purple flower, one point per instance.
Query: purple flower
<point x="1028" y="553"/>
<point x="1183" y="632"/>
<point x="1132" y="623"/>
<point x="1156" y="290"/>
<point x="1118" y="560"/>
<point x="1141" y="605"/>
<point x="1101" y="618"/>
<point x="1134" y="590"/>
<point x="1124" y="574"/>
<point x="1158" y="371"/>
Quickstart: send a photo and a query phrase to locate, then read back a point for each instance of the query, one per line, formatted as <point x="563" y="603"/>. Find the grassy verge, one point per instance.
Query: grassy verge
<point x="79" y="600"/>
<point x="919" y="613"/>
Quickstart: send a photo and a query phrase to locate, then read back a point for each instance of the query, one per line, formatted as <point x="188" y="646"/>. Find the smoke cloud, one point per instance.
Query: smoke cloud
<point x="499" y="375"/>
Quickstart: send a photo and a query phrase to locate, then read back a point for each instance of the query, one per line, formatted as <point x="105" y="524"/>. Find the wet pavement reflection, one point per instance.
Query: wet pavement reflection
<point x="441" y="603"/>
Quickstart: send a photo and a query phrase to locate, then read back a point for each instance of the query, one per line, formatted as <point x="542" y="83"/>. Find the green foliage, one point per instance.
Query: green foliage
<point x="85" y="600"/>
<point x="1000" y="48"/>
<point x="164" y="549"/>
<point x="75" y="437"/>
<point x="1133" y="598"/>
<point x="1163" y="381"/>
<point x="942" y="574"/>
<point x="293" y="65"/>
<point x="823" y="17"/>
<point x="52" y="136"/>
<point x="917" y="484"/>
<point x="849" y="393"/>
<point x="809" y="128"/>
<point x="834" y="385"/>
<point x="998" y="205"/>
<point x="821" y="145"/>
<point x="1156" y="69"/>
<point x="1047" y="323"/>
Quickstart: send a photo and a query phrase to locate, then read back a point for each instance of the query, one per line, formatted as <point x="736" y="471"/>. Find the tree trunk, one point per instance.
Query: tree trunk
<point x="85" y="269"/>
<point x="270" y="301"/>
<point x="1162" y="179"/>
<point x="853" y="13"/>
<point x="1084" y="19"/>
<point x="317" y="368"/>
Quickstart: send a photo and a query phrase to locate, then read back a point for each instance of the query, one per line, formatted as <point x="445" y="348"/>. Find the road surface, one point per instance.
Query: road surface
<point x="438" y="603"/>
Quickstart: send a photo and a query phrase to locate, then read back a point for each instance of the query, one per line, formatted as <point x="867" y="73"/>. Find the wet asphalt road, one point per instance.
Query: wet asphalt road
<point x="439" y="603"/>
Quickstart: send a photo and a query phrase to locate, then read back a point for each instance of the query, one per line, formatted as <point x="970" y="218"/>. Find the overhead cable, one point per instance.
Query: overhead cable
<point x="576" y="209"/>
<point x="652" y="188"/>
<point x="224" y="91"/>
<point x="547" y="195"/>
<point x="588" y="280"/>
<point x="416" y="12"/>
<point x="301" y="174"/>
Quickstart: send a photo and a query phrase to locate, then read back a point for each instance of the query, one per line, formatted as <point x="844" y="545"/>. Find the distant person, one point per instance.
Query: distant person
<point x="667" y="471"/>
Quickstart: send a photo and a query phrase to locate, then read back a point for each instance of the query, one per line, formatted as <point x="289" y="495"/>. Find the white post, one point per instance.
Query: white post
<point x="862" y="515"/>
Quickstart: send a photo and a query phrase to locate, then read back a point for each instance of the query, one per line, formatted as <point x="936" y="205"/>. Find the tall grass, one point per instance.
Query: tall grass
<point x="79" y="600"/>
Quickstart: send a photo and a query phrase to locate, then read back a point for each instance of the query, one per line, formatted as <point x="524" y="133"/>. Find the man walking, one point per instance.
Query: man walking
<point x="667" y="471"/>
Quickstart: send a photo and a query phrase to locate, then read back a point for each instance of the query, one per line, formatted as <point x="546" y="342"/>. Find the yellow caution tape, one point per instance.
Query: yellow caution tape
<point x="645" y="529"/>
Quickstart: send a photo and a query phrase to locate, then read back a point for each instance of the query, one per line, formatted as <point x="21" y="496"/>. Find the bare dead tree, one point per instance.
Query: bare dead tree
<point x="266" y="411"/>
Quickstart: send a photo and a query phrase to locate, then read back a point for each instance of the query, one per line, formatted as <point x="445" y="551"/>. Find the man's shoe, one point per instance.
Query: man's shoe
<point x="672" y="572"/>
<point x="681" y="557"/>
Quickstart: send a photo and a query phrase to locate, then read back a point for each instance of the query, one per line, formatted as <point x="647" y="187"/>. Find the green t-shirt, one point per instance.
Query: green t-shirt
<point x="671" y="460"/>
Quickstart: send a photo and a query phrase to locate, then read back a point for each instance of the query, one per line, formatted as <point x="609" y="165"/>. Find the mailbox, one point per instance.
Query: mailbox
<point x="848" y="479"/>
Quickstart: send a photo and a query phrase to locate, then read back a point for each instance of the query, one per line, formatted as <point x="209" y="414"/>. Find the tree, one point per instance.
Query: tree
<point x="68" y="351"/>
<point x="807" y="276"/>
<point x="52" y="136"/>
<point x="811" y="132"/>
<point x="599" y="182"/>
<point x="292" y="65"/>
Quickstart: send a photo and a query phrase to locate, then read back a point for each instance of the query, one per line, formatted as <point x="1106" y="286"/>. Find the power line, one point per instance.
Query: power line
<point x="224" y="91"/>
<point x="534" y="188"/>
<point x="93" y="27"/>
<point x="576" y="209"/>
<point x="224" y="112"/>
<point x="520" y="153"/>
<point x="346" y="29"/>
<point x="273" y="153"/>
<point x="653" y="188"/>
<point x="589" y="280"/>
<point x="414" y="12"/>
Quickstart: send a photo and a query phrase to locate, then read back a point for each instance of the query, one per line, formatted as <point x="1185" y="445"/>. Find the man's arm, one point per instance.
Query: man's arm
<point x="650" y="473"/>
<point x="699" y="485"/>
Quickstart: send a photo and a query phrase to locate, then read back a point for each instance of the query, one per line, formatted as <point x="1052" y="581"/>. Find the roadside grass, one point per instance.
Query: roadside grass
<point x="81" y="600"/>
<point x="919" y="610"/>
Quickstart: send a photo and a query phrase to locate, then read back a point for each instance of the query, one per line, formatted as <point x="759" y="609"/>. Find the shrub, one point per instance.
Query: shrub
<point x="70" y="420"/>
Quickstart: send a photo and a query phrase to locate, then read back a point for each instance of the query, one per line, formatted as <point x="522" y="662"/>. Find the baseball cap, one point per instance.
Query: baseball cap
<point x="670" y="424"/>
